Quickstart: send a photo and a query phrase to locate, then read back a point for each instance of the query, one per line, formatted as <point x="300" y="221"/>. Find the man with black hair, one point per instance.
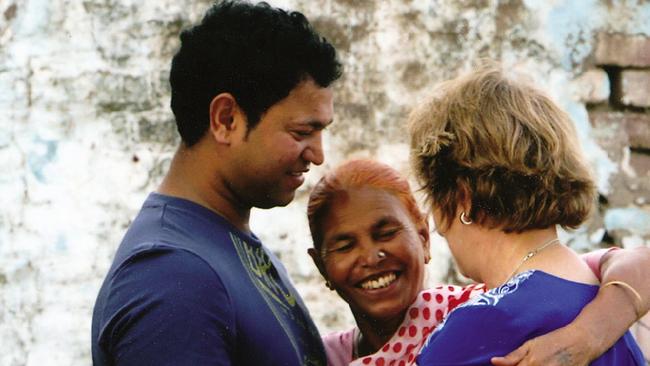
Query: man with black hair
<point x="190" y="284"/>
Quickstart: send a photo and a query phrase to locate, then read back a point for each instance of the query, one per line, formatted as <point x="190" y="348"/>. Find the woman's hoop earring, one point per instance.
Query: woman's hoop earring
<point x="464" y="219"/>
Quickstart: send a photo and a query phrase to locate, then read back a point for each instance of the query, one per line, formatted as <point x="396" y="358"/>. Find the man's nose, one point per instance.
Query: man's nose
<point x="314" y="151"/>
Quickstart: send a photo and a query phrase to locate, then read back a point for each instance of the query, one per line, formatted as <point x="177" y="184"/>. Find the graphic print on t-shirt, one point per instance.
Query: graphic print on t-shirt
<point x="280" y="300"/>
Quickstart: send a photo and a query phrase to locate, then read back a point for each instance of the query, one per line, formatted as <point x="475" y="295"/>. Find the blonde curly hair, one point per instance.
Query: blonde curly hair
<point x="504" y="147"/>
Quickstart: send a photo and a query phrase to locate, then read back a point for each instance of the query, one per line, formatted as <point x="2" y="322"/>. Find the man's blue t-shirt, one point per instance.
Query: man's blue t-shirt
<point x="188" y="288"/>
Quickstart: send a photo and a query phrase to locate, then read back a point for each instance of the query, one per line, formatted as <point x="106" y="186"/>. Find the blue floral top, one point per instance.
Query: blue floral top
<point x="495" y="323"/>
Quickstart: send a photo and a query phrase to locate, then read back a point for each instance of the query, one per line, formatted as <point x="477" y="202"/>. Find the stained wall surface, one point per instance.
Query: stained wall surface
<point x="86" y="132"/>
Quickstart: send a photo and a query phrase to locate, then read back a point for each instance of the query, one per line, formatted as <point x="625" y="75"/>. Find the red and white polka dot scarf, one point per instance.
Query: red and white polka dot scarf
<point x="428" y="310"/>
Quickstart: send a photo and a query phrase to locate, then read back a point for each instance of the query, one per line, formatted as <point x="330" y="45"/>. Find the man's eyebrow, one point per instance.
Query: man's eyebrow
<point x="317" y="125"/>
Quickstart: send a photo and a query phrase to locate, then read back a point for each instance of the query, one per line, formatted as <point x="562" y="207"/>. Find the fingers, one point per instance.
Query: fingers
<point x="513" y="358"/>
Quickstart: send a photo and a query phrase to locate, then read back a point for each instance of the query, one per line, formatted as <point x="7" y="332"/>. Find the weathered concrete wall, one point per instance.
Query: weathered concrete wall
<point x="86" y="132"/>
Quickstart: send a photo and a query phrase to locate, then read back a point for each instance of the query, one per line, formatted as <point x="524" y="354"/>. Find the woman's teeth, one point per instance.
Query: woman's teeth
<point x="379" y="282"/>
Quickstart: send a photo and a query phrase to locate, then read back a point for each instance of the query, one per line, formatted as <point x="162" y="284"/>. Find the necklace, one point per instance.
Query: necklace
<point x="531" y="254"/>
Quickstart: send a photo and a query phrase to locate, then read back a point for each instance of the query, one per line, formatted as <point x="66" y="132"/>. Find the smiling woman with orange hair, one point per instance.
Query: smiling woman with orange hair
<point x="371" y="242"/>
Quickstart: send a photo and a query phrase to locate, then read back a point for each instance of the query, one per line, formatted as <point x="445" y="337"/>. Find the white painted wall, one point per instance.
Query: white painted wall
<point x="86" y="132"/>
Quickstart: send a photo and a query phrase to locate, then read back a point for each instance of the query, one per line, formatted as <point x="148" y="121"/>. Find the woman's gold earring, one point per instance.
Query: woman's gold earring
<point x="464" y="219"/>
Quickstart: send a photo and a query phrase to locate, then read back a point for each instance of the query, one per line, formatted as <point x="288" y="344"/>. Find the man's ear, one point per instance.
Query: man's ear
<point x="224" y="117"/>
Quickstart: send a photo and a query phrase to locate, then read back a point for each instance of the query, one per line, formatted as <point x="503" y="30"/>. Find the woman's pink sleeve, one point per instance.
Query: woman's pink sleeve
<point x="338" y="347"/>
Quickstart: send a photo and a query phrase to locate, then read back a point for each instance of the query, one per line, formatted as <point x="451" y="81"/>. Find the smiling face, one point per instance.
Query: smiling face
<point x="359" y="223"/>
<point x="269" y="161"/>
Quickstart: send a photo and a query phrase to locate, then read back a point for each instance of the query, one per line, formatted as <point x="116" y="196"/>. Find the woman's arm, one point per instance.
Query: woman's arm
<point x="601" y="323"/>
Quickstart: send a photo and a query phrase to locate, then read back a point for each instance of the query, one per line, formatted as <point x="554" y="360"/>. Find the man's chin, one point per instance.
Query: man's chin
<point x="271" y="202"/>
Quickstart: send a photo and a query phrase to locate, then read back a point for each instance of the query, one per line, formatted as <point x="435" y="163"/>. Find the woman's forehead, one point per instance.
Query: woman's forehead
<point x="362" y="209"/>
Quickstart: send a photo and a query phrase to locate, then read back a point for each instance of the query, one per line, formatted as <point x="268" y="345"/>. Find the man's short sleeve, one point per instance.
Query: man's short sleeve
<point x="167" y="306"/>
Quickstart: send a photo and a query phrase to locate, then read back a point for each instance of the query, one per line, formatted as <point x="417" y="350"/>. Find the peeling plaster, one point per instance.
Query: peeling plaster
<point x="569" y="26"/>
<point x="633" y="220"/>
<point x="604" y="167"/>
<point x="86" y="133"/>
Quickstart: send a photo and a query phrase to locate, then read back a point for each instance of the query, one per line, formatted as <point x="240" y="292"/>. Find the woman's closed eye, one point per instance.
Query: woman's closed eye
<point x="386" y="234"/>
<point x="341" y="246"/>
